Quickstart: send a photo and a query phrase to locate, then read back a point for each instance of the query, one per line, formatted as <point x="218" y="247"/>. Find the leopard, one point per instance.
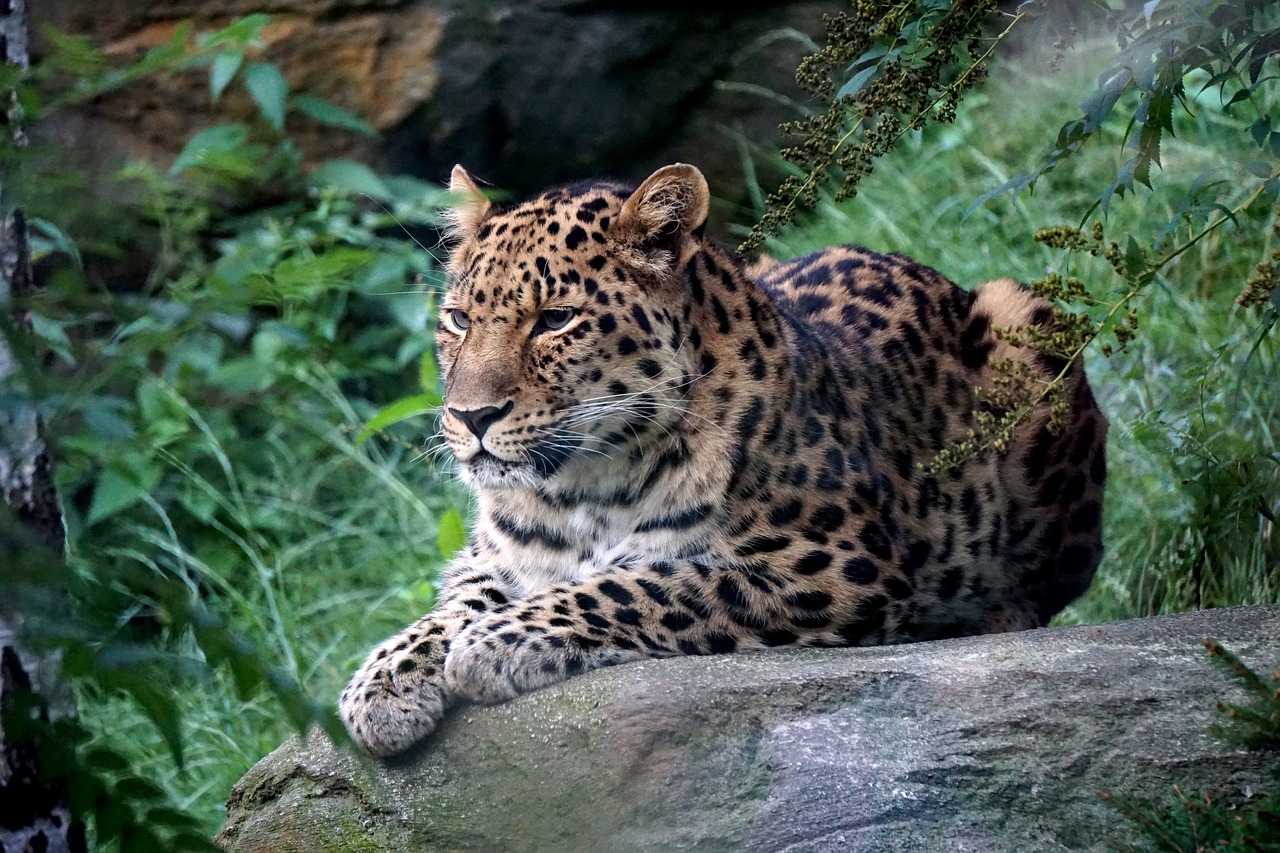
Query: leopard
<point x="673" y="453"/>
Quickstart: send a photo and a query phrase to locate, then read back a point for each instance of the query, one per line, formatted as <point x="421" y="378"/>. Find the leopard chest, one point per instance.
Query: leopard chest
<point x="544" y="546"/>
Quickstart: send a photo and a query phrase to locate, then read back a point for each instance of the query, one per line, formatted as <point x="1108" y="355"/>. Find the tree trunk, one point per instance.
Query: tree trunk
<point x="34" y="816"/>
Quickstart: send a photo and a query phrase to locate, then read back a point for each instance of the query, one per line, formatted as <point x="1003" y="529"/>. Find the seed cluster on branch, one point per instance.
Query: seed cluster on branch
<point x="887" y="68"/>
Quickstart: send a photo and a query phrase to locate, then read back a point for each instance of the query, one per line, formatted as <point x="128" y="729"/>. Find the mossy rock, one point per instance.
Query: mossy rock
<point x="986" y="743"/>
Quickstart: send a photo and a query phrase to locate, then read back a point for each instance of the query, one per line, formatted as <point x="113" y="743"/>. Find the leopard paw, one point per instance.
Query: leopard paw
<point x="392" y="704"/>
<point x="479" y="667"/>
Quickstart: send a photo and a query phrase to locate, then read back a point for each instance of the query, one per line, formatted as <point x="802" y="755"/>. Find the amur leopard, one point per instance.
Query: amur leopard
<point x="674" y="457"/>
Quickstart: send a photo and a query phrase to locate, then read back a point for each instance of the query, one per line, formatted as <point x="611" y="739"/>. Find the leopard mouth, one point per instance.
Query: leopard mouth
<point x="485" y="461"/>
<point x="484" y="470"/>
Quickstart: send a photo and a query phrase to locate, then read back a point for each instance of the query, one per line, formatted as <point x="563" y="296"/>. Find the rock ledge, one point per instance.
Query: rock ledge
<point x="990" y="743"/>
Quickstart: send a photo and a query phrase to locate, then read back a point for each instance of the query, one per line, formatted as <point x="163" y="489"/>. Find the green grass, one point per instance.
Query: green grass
<point x="1194" y="408"/>
<point x="337" y="550"/>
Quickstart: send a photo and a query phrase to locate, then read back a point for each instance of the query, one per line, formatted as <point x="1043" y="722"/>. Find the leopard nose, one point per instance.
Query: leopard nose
<point x="479" y="420"/>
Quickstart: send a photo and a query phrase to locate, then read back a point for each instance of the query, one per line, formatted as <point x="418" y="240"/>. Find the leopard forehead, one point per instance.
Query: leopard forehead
<point x="525" y="255"/>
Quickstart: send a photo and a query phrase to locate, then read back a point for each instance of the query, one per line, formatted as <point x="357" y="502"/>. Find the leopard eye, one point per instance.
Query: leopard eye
<point x="555" y="319"/>
<point x="456" y="320"/>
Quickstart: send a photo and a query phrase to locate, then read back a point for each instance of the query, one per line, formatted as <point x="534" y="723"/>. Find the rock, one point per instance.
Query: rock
<point x="380" y="63"/>
<point x="527" y="94"/>
<point x="981" y="744"/>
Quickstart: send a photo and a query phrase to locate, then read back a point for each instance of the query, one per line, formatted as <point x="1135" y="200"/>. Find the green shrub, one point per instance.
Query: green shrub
<point x="235" y="544"/>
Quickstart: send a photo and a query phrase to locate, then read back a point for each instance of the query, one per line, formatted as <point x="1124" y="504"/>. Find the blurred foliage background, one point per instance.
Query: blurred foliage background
<point x="233" y="358"/>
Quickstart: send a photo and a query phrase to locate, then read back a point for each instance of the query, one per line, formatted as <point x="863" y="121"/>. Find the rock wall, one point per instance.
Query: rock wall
<point x="995" y="743"/>
<point x="526" y="93"/>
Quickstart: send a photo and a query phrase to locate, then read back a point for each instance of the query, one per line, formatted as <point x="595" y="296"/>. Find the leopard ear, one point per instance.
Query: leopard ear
<point x="469" y="204"/>
<point x="672" y="201"/>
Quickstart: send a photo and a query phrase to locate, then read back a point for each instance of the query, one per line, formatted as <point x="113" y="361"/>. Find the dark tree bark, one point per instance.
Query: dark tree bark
<point x="33" y="808"/>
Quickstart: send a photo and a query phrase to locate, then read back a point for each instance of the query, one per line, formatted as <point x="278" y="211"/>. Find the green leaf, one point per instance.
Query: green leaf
<point x="160" y="706"/>
<point x="1072" y="135"/>
<point x="1124" y="181"/>
<point x="103" y="759"/>
<point x="1239" y="96"/>
<point x="172" y="54"/>
<point x="52" y="333"/>
<point x="1155" y="114"/>
<point x="108" y="416"/>
<point x="386" y="274"/>
<point x="305" y="275"/>
<point x="225" y="66"/>
<point x="429" y="373"/>
<point x="223" y="646"/>
<point x="112" y="493"/>
<point x="219" y="139"/>
<point x="1258" y="168"/>
<point x="350" y="177"/>
<point x="46" y="238"/>
<point x="1098" y="105"/>
<point x="855" y="83"/>
<point x="452" y="534"/>
<point x="1015" y="186"/>
<point x="202" y="505"/>
<point x="276" y="339"/>
<point x="1260" y="130"/>
<point x="241" y="33"/>
<point x="153" y="401"/>
<point x="1268" y="323"/>
<point x="244" y="375"/>
<point x="135" y="789"/>
<point x="170" y="818"/>
<point x="416" y="191"/>
<point x="269" y="89"/>
<point x="75" y="55"/>
<point x="331" y="114"/>
<point x="1266" y="46"/>
<point x="409" y="407"/>
<point x="1135" y="259"/>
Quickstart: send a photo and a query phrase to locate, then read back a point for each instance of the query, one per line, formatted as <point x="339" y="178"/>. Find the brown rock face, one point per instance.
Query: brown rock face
<point x="381" y="65"/>
<point x="527" y="94"/>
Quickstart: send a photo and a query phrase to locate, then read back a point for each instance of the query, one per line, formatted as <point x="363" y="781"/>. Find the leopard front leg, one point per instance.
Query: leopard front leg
<point x="630" y="614"/>
<point x="399" y="696"/>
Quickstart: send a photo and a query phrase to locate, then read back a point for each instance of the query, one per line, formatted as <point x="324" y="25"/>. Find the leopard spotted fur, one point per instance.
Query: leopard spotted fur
<point x="671" y="458"/>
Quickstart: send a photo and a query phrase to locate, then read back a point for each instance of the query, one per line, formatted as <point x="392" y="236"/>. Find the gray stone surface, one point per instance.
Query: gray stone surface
<point x="996" y="743"/>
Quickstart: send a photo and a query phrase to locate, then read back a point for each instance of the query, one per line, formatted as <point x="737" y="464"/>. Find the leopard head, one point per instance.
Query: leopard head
<point x="562" y="337"/>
